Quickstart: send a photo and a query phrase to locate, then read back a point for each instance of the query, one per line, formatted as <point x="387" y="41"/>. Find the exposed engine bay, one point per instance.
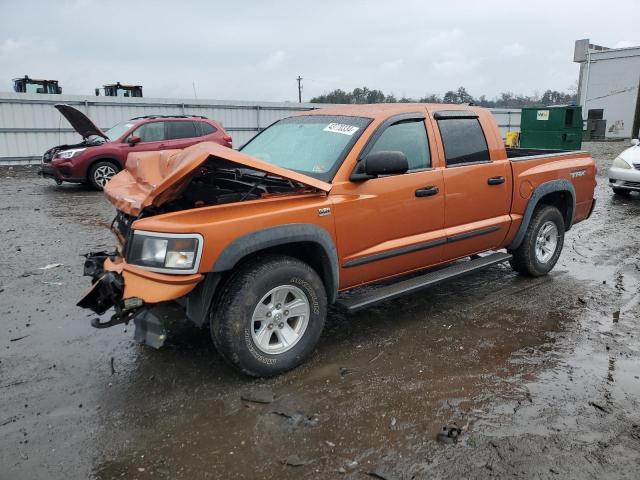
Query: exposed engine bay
<point x="219" y="181"/>
<point x="216" y="182"/>
<point x="91" y="141"/>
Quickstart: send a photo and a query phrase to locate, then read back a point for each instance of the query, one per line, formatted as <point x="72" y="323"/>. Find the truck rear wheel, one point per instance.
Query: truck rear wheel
<point x="270" y="315"/>
<point x="542" y="244"/>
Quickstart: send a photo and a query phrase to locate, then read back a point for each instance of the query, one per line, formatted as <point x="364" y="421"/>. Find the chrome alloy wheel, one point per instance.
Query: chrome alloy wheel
<point x="103" y="174"/>
<point x="280" y="319"/>
<point x="546" y="241"/>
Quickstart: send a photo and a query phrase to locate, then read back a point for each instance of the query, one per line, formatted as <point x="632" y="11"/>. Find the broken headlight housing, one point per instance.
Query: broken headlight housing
<point x="165" y="252"/>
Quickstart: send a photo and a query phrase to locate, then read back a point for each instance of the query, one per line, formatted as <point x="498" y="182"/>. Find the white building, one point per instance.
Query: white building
<point x="608" y="89"/>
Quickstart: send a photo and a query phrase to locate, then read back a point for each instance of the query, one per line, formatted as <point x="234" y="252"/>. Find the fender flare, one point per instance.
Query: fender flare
<point x="540" y="191"/>
<point x="281" y="235"/>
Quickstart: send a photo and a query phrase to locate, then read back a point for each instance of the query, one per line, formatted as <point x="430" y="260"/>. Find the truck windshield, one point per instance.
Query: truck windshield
<point x="118" y="130"/>
<point x="311" y="144"/>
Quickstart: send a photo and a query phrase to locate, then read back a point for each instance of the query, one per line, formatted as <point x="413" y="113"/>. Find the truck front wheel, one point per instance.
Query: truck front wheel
<point x="270" y="315"/>
<point x="542" y="244"/>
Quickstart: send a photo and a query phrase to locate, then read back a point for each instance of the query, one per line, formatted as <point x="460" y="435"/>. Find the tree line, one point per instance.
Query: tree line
<point x="504" y="100"/>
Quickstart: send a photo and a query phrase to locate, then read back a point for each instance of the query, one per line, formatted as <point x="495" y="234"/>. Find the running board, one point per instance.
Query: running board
<point x="388" y="292"/>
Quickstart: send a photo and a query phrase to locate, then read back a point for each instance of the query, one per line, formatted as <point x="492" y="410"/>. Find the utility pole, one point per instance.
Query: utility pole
<point x="299" y="79"/>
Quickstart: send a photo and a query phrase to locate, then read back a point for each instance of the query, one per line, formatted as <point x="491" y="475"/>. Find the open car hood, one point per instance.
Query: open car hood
<point x="80" y="122"/>
<point x="155" y="178"/>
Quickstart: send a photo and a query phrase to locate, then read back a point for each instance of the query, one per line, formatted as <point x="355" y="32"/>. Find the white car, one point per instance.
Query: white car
<point x="624" y="174"/>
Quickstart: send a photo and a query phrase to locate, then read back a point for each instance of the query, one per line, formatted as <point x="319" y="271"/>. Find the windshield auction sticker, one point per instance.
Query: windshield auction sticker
<point x="341" y="128"/>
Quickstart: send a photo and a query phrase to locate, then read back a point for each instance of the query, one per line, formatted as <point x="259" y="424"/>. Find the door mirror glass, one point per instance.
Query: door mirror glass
<point x="634" y="142"/>
<point x="133" y="140"/>
<point x="385" y="163"/>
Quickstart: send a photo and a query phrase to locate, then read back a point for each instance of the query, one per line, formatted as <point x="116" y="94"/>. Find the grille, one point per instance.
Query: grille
<point x="47" y="157"/>
<point x="632" y="184"/>
<point x="636" y="166"/>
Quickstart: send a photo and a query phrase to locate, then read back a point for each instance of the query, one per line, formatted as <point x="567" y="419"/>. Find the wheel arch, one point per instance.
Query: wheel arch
<point x="307" y="242"/>
<point x="559" y="193"/>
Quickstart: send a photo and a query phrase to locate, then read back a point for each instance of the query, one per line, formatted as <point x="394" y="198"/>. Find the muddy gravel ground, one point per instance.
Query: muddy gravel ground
<point x="541" y="375"/>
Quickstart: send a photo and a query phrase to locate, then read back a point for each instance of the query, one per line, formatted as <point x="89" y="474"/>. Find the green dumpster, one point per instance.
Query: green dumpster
<point x="556" y="127"/>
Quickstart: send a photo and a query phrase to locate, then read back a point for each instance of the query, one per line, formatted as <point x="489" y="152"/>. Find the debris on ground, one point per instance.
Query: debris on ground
<point x="29" y="274"/>
<point x="298" y="419"/>
<point x="351" y="465"/>
<point x="599" y="407"/>
<point x="449" y="434"/>
<point x="258" y="395"/>
<point x="18" y="338"/>
<point x="294" y="461"/>
<point x="50" y="266"/>
<point x="344" y="371"/>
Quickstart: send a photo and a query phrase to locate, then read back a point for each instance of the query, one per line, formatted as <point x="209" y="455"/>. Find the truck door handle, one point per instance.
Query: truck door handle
<point x="427" y="191"/>
<point x="495" y="180"/>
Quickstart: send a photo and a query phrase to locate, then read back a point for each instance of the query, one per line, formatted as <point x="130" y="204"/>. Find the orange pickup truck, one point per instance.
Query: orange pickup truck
<point x="257" y="243"/>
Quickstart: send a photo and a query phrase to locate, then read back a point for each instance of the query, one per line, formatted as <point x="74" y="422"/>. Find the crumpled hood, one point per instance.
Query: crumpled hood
<point x="80" y="122"/>
<point x="154" y="178"/>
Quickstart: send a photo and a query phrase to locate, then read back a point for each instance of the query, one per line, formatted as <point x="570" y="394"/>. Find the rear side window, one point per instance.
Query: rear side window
<point x="408" y="137"/>
<point x="183" y="129"/>
<point x="463" y="141"/>
<point x="151" y="132"/>
<point x="207" y="128"/>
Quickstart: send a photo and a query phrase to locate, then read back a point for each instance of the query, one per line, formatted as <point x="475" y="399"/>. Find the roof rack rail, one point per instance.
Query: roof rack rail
<point x="168" y="116"/>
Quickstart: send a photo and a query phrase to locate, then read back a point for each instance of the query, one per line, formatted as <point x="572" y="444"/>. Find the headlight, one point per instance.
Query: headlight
<point x="620" y="163"/>
<point x="70" y="153"/>
<point x="165" y="252"/>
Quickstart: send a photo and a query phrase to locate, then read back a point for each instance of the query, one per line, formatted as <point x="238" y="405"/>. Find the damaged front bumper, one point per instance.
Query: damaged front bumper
<point x="135" y="294"/>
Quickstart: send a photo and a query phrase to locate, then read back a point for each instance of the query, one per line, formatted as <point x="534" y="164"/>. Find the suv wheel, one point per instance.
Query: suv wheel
<point x="542" y="244"/>
<point x="270" y="315"/>
<point x="100" y="174"/>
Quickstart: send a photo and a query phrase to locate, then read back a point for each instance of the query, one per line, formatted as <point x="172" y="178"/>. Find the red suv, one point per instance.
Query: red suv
<point x="101" y="155"/>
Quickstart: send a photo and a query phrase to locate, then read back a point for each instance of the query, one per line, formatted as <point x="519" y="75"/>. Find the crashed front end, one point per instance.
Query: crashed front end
<point x="147" y="298"/>
<point x="155" y="277"/>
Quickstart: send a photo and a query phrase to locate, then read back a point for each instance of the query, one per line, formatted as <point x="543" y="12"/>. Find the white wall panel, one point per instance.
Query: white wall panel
<point x="29" y="125"/>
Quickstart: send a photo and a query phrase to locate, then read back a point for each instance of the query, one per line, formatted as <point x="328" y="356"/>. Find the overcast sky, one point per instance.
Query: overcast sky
<point x="254" y="50"/>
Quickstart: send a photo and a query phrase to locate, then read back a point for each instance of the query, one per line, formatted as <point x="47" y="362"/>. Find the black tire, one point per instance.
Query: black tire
<point x="623" y="192"/>
<point x="231" y="317"/>
<point x="525" y="261"/>
<point x="92" y="176"/>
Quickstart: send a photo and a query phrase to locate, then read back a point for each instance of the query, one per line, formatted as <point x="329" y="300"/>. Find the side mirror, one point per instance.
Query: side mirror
<point x="380" y="163"/>
<point x="385" y="163"/>
<point x="635" y="142"/>
<point x="133" y="140"/>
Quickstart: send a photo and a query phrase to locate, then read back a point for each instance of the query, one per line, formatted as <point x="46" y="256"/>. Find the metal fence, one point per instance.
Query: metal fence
<point x="29" y="125"/>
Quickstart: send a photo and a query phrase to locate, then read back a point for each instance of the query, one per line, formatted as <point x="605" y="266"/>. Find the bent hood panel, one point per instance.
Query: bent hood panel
<point x="154" y="178"/>
<point x="79" y="121"/>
